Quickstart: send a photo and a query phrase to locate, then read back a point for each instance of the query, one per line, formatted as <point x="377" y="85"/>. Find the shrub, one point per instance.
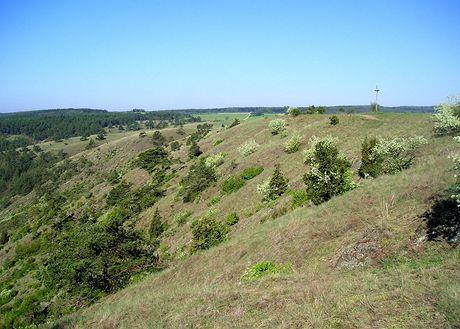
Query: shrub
<point x="181" y="218"/>
<point x="97" y="258"/>
<point x="157" y="227"/>
<point x="217" y="142"/>
<point x="118" y="193"/>
<point x="277" y="126"/>
<point x="248" y="148"/>
<point x="215" y="160"/>
<point x="207" y="232"/>
<point x="91" y="144"/>
<point x="264" y="189"/>
<point x="214" y="200"/>
<point x="154" y="159"/>
<point x="235" y="122"/>
<point x="278" y="183"/>
<point x="293" y="111"/>
<point x="113" y="177"/>
<point x="371" y="164"/>
<point x="299" y="198"/>
<point x="251" y="172"/>
<point x="158" y="139"/>
<point x="232" y="184"/>
<point x="262" y="269"/>
<point x="142" y="134"/>
<point x="443" y="221"/>
<point x="292" y="144"/>
<point x="396" y="154"/>
<point x="447" y="117"/>
<point x="334" y="120"/>
<point x="329" y="173"/>
<point x="194" y="151"/>
<point x="232" y="219"/>
<point x="321" y="110"/>
<point x="199" y="178"/>
<point x="175" y="145"/>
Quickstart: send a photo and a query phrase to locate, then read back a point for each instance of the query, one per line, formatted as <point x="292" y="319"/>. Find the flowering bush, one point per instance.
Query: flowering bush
<point x="397" y="154"/>
<point x="248" y="148"/>
<point x="447" y="117"/>
<point x="329" y="173"/>
<point x="215" y="160"/>
<point x="292" y="144"/>
<point x="293" y="111"/>
<point x="264" y="189"/>
<point x="277" y="126"/>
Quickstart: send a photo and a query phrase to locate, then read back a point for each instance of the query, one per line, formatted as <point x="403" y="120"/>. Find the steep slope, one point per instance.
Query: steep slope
<point x="359" y="260"/>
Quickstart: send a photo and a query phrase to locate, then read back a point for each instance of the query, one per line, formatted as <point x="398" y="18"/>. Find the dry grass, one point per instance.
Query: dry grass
<point x="405" y="284"/>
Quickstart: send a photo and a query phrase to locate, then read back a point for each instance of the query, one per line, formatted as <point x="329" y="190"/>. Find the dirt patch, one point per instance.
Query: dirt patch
<point x="361" y="253"/>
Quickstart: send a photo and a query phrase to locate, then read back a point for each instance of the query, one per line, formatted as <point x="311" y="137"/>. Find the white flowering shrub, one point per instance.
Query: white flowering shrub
<point x="277" y="126"/>
<point x="264" y="189"/>
<point x="248" y="148"/>
<point x="447" y="117"/>
<point x="292" y="144"/>
<point x="215" y="160"/>
<point x="396" y="154"/>
<point x="330" y="172"/>
<point x="293" y="111"/>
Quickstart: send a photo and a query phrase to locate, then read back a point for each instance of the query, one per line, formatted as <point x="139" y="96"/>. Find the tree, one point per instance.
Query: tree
<point x="370" y="165"/>
<point x="198" y="179"/>
<point x="180" y="130"/>
<point x="157" y="227"/>
<point x="330" y="172"/>
<point x="158" y="139"/>
<point x="278" y="183"/>
<point x="321" y="110"/>
<point x="293" y="111"/>
<point x="194" y="151"/>
<point x="311" y="109"/>
<point x="175" y="145"/>
<point x="91" y="144"/>
<point x="101" y="135"/>
<point x="334" y="120"/>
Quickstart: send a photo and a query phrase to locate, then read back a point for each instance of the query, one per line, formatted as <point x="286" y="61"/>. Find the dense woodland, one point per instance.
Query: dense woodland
<point x="64" y="123"/>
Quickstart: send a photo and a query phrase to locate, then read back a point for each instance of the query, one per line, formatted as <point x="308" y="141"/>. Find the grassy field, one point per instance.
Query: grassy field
<point x="400" y="280"/>
<point x="228" y="118"/>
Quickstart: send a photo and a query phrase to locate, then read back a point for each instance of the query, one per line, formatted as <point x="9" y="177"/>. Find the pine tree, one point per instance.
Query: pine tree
<point x="157" y="227"/>
<point x="278" y="183"/>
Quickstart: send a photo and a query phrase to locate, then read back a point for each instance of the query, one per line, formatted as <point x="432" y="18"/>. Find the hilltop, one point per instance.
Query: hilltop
<point x="359" y="259"/>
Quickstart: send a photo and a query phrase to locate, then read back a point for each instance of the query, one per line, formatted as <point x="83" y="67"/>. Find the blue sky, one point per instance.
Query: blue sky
<point x="181" y="54"/>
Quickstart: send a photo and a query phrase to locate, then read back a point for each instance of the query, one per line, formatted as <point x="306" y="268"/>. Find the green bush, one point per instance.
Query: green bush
<point x="293" y="111"/>
<point x="157" y="226"/>
<point x="278" y="183"/>
<point x="235" y="122"/>
<point x="194" y="151"/>
<point x="175" y="145"/>
<point x="207" y="232"/>
<point x="118" y="193"/>
<point x="334" y="120"/>
<point x="154" y="159"/>
<point x="232" y="184"/>
<point x="251" y="172"/>
<point x="198" y="179"/>
<point x="329" y="173"/>
<point x="158" y="139"/>
<point x="113" y="177"/>
<point x="217" y="142"/>
<point x="259" y="270"/>
<point x="214" y="200"/>
<point x="181" y="217"/>
<point x="97" y="258"/>
<point x="371" y="165"/>
<point x="232" y="219"/>
<point x="299" y="198"/>
<point x="388" y="156"/>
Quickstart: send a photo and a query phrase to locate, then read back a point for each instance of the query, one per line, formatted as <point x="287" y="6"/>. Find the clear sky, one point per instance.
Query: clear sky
<point x="180" y="54"/>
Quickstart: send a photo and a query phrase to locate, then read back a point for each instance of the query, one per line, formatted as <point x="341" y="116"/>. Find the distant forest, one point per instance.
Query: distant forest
<point x="58" y="124"/>
<point x="329" y="109"/>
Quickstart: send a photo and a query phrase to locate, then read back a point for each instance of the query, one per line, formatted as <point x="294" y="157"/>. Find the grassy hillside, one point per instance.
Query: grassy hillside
<point x="359" y="260"/>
